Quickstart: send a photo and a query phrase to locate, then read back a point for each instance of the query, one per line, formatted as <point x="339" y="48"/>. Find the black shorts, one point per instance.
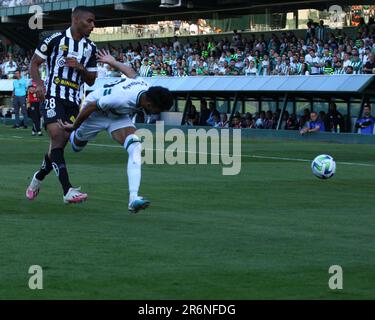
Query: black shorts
<point x="53" y="109"/>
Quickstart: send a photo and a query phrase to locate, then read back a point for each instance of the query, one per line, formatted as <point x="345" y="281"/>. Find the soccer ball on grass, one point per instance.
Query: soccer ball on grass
<point x="323" y="166"/>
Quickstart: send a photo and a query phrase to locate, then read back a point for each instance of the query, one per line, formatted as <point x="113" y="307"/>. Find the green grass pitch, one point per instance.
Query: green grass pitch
<point x="271" y="232"/>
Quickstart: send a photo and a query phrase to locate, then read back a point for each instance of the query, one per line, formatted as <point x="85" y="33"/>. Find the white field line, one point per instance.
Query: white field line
<point x="214" y="154"/>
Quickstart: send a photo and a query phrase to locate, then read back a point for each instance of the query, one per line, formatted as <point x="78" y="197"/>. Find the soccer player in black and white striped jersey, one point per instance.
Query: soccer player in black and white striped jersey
<point x="71" y="61"/>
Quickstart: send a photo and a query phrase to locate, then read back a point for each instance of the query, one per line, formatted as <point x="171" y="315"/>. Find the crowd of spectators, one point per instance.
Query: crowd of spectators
<point x="331" y="121"/>
<point x="12" y="59"/>
<point x="320" y="52"/>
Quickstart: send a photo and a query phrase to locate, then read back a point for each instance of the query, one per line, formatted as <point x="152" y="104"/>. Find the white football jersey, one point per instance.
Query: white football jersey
<point x="120" y="97"/>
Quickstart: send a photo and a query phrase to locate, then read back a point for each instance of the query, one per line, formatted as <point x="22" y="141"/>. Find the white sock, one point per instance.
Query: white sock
<point x="75" y="148"/>
<point x="134" y="165"/>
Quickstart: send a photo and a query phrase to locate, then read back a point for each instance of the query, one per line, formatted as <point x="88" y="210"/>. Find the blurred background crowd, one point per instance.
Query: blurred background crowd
<point x="321" y="51"/>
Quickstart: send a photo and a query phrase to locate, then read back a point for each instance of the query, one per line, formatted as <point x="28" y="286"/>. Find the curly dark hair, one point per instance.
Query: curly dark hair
<point x="160" y="97"/>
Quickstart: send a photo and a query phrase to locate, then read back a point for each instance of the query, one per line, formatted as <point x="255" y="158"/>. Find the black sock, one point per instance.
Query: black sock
<point x="45" y="168"/>
<point x="59" y="166"/>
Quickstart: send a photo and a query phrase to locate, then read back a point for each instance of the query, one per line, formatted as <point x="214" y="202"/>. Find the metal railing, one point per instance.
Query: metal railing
<point x="129" y="32"/>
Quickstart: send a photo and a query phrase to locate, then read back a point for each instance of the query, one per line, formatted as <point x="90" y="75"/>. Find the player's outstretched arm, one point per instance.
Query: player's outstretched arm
<point x="105" y="57"/>
<point x="82" y="116"/>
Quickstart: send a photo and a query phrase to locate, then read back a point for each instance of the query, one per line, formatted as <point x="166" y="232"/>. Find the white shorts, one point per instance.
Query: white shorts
<point x="97" y="122"/>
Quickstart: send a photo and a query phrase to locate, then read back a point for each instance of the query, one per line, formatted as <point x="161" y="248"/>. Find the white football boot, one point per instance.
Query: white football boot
<point x="74" y="195"/>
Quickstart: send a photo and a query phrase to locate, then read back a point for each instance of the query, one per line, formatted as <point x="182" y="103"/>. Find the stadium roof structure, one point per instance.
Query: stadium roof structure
<point x="278" y="88"/>
<point x="320" y="85"/>
<point x="56" y="14"/>
<point x="116" y="12"/>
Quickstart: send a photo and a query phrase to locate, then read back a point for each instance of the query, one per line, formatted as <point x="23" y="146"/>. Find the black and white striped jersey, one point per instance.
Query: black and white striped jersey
<point x="63" y="82"/>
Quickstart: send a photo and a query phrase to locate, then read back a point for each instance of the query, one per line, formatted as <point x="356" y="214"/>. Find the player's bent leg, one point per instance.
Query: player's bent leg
<point x="132" y="144"/>
<point x="77" y="145"/>
<point x="55" y="158"/>
<point x="59" y="138"/>
<point x="88" y="131"/>
<point x="58" y="141"/>
<point x="79" y="139"/>
<point x="33" y="189"/>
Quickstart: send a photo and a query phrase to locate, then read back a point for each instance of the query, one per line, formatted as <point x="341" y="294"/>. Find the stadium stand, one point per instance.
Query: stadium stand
<point x="264" y="102"/>
<point x="319" y="51"/>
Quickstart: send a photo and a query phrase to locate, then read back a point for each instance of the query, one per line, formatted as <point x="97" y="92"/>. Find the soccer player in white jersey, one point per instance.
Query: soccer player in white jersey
<point x="110" y="108"/>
